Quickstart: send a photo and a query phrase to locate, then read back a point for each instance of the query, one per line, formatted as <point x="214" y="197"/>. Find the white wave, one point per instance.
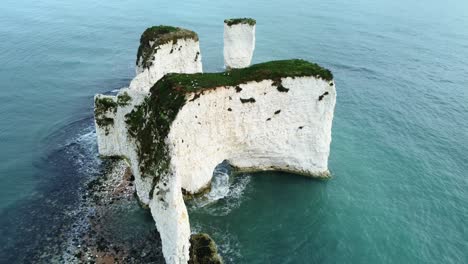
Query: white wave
<point x="226" y="192"/>
<point x="219" y="186"/>
<point x="115" y="91"/>
<point x="233" y="199"/>
<point x="83" y="148"/>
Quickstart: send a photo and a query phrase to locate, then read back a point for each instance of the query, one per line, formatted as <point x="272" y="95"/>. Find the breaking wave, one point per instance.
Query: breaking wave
<point x="226" y="194"/>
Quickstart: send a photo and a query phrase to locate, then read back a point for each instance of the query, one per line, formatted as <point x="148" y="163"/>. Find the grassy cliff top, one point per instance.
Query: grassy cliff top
<point x="272" y="70"/>
<point x="245" y="20"/>
<point x="159" y="35"/>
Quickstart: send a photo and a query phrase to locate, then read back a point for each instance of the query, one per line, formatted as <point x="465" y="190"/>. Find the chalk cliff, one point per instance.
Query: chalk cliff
<point x="239" y="42"/>
<point x="270" y="116"/>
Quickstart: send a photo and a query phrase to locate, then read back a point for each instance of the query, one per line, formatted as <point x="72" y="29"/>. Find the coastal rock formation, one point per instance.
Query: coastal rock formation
<point x="239" y="42"/>
<point x="270" y="116"/>
<point x="165" y="49"/>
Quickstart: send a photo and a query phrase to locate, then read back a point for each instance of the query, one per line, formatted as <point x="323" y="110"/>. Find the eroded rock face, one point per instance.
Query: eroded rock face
<point x="239" y="42"/>
<point x="270" y="116"/>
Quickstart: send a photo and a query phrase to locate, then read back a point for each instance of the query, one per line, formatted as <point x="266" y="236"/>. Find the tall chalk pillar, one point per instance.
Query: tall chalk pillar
<point x="239" y="42"/>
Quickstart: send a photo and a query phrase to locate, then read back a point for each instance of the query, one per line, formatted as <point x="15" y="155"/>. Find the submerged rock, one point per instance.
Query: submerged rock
<point x="270" y="116"/>
<point x="203" y="250"/>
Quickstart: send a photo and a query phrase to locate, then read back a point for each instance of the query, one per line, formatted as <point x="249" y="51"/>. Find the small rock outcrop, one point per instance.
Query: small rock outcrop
<point x="203" y="250"/>
<point x="239" y="42"/>
<point x="270" y="116"/>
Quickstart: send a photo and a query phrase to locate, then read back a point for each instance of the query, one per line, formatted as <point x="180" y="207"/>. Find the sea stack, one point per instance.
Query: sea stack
<point x="239" y="42"/>
<point x="165" y="49"/>
<point x="271" y="116"/>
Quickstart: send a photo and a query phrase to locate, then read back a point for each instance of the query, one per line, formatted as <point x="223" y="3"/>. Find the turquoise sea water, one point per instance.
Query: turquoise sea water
<point x="399" y="154"/>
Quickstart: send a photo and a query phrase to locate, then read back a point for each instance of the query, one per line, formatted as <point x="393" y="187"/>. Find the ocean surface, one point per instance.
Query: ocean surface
<point x="399" y="156"/>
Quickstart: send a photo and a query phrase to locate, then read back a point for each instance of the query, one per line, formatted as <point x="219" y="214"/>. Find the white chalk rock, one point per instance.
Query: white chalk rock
<point x="239" y="42"/>
<point x="163" y="50"/>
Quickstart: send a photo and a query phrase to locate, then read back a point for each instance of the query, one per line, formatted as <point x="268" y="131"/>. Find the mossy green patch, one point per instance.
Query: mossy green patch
<point x="159" y="35"/>
<point x="102" y="106"/>
<point x="245" y="20"/>
<point x="203" y="250"/>
<point x="149" y="124"/>
<point x="123" y="99"/>
<point x="105" y="122"/>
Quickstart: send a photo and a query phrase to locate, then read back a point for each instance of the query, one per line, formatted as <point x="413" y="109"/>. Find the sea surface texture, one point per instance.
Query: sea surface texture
<point x="399" y="156"/>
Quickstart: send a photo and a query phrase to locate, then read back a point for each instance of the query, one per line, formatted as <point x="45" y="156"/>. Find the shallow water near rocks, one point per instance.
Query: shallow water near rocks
<point x="399" y="155"/>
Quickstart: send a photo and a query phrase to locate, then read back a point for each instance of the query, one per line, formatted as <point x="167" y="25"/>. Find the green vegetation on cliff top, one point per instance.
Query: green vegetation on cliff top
<point x="272" y="70"/>
<point x="245" y="20"/>
<point x="159" y="35"/>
